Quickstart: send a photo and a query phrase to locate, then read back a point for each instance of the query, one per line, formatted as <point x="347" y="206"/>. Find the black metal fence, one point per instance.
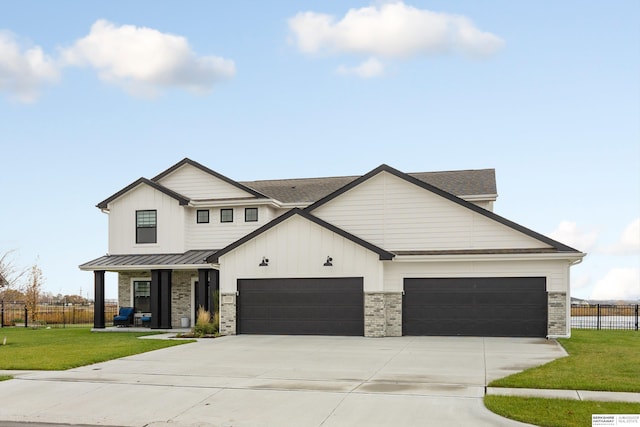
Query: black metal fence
<point x="15" y="313"/>
<point x="604" y="316"/>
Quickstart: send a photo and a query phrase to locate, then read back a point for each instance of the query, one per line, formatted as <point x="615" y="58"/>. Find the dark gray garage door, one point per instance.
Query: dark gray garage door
<point x="499" y="307"/>
<point x="301" y="306"/>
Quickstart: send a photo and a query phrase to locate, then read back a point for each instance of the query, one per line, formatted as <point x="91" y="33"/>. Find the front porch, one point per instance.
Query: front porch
<point x="167" y="289"/>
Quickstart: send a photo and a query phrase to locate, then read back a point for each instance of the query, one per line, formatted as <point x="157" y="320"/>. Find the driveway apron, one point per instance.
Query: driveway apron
<point x="300" y="381"/>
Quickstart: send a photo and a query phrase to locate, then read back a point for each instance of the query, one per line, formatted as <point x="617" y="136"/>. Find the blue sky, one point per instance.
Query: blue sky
<point x="94" y="95"/>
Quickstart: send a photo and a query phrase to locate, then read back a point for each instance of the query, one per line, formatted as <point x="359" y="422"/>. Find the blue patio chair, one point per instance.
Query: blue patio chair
<point x="146" y="320"/>
<point x="124" y="317"/>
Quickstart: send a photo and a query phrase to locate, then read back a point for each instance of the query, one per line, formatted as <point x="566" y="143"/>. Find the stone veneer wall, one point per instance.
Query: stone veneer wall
<point x="393" y="314"/>
<point x="382" y="314"/>
<point x="557" y="313"/>
<point x="374" y="318"/>
<point x="181" y="296"/>
<point x="227" y="314"/>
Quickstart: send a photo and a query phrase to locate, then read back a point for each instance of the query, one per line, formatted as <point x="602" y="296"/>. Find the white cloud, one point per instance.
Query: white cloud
<point x="392" y="30"/>
<point x="144" y="60"/>
<point x="24" y="72"/>
<point x="568" y="233"/>
<point x="580" y="282"/>
<point x="629" y="242"/>
<point x="618" y="284"/>
<point x="369" y="68"/>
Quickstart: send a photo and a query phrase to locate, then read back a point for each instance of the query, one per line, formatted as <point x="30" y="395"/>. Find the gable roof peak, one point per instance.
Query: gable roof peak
<point x="382" y="254"/>
<point x="182" y="200"/>
<point x="188" y="161"/>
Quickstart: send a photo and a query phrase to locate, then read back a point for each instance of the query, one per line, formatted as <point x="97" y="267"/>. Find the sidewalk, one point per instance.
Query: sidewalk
<point x="604" y="396"/>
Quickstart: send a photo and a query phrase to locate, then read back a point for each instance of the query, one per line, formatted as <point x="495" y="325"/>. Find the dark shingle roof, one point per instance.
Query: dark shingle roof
<point x="309" y="190"/>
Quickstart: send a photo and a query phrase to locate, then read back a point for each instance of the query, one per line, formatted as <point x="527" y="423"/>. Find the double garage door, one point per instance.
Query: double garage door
<point x="301" y="306"/>
<point x="488" y="306"/>
<point x="434" y="306"/>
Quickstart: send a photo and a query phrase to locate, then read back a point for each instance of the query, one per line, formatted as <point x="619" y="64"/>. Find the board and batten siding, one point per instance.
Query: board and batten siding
<point x="194" y="183"/>
<point x="398" y="216"/>
<point x="122" y="222"/>
<point x="216" y="234"/>
<point x="556" y="271"/>
<point x="298" y="248"/>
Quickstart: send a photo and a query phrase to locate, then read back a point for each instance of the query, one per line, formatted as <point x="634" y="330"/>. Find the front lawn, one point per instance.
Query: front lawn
<point x="598" y="360"/>
<point x="58" y="349"/>
<point x="555" y="412"/>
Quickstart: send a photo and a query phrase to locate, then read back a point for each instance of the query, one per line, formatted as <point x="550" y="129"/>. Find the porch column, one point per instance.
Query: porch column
<point x="154" y="299"/>
<point x="214" y="286"/>
<point x="165" y="299"/>
<point x="202" y="290"/>
<point x="160" y="299"/>
<point x="98" y="304"/>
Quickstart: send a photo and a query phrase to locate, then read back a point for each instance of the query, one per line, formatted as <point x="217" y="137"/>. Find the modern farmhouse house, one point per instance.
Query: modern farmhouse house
<point x="387" y="253"/>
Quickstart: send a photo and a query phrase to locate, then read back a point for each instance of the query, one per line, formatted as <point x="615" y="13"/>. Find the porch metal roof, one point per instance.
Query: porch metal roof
<point x="193" y="258"/>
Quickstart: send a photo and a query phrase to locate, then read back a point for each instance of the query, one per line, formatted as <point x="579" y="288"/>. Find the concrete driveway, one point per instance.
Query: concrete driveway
<point x="283" y="381"/>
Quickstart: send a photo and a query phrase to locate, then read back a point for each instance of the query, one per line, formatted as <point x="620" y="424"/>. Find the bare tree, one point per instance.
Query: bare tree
<point x="32" y="290"/>
<point x="10" y="274"/>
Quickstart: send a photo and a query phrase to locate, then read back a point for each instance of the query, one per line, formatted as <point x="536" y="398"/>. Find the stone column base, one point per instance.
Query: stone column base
<point x="228" y="314"/>
<point x="557" y="313"/>
<point x="382" y="314"/>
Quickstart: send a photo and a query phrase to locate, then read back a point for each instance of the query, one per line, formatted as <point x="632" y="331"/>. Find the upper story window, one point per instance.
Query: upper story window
<point x="250" y="214"/>
<point x="202" y="216"/>
<point x="146" y="226"/>
<point x="226" y="215"/>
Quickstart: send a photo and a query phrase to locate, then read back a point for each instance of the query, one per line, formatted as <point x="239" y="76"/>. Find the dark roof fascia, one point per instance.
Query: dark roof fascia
<point x="384" y="255"/>
<point x="179" y="197"/>
<point x="187" y="161"/>
<point x="515" y="251"/>
<point x="386" y="168"/>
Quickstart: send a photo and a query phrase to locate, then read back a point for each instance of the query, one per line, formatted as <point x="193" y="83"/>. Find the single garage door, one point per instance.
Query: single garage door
<point x="498" y="307"/>
<point x="301" y="306"/>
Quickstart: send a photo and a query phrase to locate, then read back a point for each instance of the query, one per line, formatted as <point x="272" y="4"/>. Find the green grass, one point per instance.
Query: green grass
<point x="598" y="360"/>
<point x="555" y="412"/>
<point x="5" y="377"/>
<point x="58" y="349"/>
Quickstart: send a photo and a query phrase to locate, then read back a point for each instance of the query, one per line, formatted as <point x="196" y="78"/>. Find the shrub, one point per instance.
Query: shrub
<point x="204" y="326"/>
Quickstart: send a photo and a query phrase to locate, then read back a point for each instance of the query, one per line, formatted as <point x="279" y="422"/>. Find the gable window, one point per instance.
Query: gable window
<point x="142" y="296"/>
<point x="146" y="227"/>
<point x="226" y="215"/>
<point x="250" y="214"/>
<point x="202" y="216"/>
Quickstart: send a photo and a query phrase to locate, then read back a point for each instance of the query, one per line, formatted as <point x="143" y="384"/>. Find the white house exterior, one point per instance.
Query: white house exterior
<point x="383" y="254"/>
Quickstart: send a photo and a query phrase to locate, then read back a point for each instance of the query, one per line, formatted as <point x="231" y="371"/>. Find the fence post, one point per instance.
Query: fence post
<point x="636" y="317"/>
<point x="598" y="317"/>
<point x="26" y="317"/>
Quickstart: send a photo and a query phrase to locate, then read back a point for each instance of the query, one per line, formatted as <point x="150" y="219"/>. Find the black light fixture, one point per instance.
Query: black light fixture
<point x="329" y="262"/>
<point x="264" y="263"/>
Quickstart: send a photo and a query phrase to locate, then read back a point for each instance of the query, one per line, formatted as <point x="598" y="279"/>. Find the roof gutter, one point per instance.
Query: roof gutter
<point x="575" y="258"/>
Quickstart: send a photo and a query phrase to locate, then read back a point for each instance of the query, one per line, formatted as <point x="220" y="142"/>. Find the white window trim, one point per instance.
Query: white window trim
<point x="132" y="294"/>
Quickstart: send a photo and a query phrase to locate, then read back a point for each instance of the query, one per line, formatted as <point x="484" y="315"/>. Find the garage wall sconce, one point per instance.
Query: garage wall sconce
<point x="264" y="263"/>
<point x="329" y="262"/>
